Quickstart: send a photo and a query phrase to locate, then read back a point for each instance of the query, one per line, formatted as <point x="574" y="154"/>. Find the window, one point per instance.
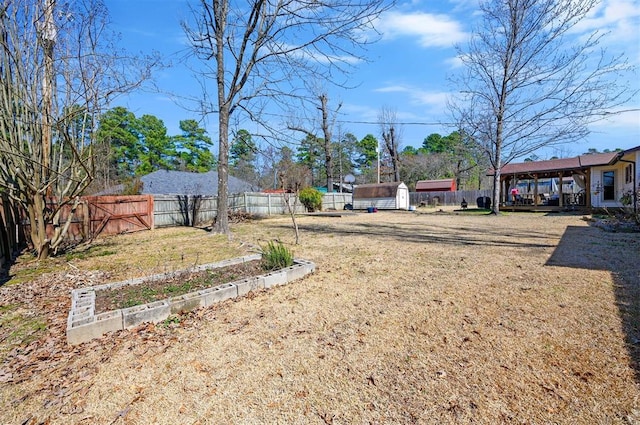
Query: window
<point x="628" y="174"/>
<point x="608" y="186"/>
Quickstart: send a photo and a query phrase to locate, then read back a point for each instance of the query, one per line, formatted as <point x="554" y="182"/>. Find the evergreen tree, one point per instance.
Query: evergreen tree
<point x="193" y="148"/>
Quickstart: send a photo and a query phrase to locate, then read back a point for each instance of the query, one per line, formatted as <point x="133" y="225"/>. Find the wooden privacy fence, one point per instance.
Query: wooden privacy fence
<point x="94" y="215"/>
<point x="108" y="215"/>
<point x="118" y="214"/>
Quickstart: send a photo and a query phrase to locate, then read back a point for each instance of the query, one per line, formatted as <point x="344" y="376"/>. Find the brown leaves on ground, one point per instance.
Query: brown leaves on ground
<point x="409" y="318"/>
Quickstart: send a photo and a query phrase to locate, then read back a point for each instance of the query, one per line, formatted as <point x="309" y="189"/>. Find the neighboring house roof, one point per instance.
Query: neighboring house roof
<point x="563" y="164"/>
<point x="377" y="190"/>
<point x="164" y="182"/>
<point x="440" y="185"/>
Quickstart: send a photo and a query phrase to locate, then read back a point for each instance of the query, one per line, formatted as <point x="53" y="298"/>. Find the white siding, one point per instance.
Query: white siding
<point x="379" y="203"/>
<point x="597" y="195"/>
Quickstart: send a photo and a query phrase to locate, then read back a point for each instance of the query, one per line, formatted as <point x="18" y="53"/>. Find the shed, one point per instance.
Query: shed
<point x="441" y="185"/>
<point x="383" y="196"/>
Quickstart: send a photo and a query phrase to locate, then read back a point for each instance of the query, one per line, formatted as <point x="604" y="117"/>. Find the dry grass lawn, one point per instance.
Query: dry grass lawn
<point x="409" y="318"/>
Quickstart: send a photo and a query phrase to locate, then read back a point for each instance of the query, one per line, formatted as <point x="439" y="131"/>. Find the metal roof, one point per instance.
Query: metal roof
<point x="435" y="185"/>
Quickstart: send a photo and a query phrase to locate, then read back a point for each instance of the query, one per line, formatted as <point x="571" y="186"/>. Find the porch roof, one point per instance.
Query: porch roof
<point x="577" y="163"/>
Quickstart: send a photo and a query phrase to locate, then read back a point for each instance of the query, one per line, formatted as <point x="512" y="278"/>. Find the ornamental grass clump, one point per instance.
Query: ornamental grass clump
<point x="276" y="256"/>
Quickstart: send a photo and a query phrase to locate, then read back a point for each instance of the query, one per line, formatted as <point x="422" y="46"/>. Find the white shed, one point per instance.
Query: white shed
<point x="383" y="196"/>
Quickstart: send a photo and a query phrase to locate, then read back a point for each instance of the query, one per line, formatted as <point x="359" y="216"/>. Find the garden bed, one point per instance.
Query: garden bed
<point x="174" y="285"/>
<point x="155" y="298"/>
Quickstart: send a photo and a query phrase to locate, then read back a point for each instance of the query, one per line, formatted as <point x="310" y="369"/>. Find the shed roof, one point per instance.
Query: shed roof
<point x="376" y="190"/>
<point x="435" y="185"/>
<point x="165" y="182"/>
<point x="563" y="164"/>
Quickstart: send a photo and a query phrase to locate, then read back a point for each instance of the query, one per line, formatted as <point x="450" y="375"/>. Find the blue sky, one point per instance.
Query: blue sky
<point x="408" y="68"/>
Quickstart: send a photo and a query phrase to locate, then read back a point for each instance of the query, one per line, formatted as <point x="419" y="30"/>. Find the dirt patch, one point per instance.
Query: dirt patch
<point x="409" y="318"/>
<point x="175" y="285"/>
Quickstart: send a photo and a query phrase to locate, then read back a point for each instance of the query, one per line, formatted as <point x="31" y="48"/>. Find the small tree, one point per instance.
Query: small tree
<point x="293" y="177"/>
<point x="311" y="198"/>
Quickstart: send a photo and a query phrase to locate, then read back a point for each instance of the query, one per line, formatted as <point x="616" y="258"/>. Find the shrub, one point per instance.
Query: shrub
<point x="276" y="256"/>
<point x="311" y="198"/>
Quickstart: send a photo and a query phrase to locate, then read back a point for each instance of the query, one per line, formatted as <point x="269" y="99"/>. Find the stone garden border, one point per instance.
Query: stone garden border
<point x="83" y="324"/>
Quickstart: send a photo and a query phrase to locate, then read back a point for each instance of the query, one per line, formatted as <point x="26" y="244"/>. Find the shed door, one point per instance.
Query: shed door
<point x="402" y="199"/>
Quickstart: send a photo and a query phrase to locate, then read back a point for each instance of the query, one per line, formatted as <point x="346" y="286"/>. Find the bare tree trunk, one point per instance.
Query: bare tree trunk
<point x="221" y="224"/>
<point x="391" y="135"/>
<point x="37" y="214"/>
<point x="220" y="14"/>
<point x="326" y="130"/>
<point x="48" y="40"/>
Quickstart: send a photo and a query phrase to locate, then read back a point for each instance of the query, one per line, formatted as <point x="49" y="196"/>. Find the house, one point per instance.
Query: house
<point x="611" y="183"/>
<point x="165" y="182"/>
<point x="442" y="185"/>
<point x="594" y="180"/>
<point x="383" y="196"/>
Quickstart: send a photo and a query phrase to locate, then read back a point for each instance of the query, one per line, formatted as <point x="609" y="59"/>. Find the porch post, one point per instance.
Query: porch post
<point x="587" y="190"/>
<point x="504" y="186"/>
<point x="535" y="190"/>
<point x="560" y="197"/>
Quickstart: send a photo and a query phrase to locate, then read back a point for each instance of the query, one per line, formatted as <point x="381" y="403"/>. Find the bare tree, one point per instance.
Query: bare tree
<point x="391" y="135"/>
<point x="260" y="49"/>
<point x="531" y="81"/>
<point x="327" y="123"/>
<point x="56" y="72"/>
<point x="292" y="177"/>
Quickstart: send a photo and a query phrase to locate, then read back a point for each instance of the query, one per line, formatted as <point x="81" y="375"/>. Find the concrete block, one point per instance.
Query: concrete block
<point x="153" y="312"/>
<point x="81" y="320"/>
<point x="219" y="293"/>
<point x="250" y="284"/>
<point x="296" y="272"/>
<point x="99" y="325"/>
<point x="77" y="315"/>
<point x="186" y="302"/>
<point x="275" y="278"/>
<point x="308" y="265"/>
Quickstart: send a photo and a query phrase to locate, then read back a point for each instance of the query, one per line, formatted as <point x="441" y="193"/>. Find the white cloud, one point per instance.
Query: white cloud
<point x="430" y="30"/>
<point x="612" y="14"/>
<point x="620" y="19"/>
<point x="417" y="96"/>
<point x="623" y="118"/>
<point x="454" y="62"/>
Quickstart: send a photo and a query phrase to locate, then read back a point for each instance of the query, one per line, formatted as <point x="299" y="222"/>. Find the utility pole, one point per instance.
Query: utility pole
<point x="378" y="154"/>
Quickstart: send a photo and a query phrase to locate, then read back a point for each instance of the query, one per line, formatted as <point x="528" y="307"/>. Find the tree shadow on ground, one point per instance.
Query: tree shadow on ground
<point x="619" y="253"/>
<point x="440" y="234"/>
